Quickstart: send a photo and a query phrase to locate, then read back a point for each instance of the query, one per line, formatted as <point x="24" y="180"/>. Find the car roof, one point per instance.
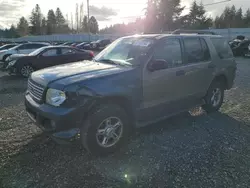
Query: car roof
<point x="159" y="36"/>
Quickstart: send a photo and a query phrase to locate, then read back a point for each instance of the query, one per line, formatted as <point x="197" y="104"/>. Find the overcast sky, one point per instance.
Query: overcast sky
<point x="107" y="12"/>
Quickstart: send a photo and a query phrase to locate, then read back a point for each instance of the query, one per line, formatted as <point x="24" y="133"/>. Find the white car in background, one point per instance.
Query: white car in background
<point x="21" y="49"/>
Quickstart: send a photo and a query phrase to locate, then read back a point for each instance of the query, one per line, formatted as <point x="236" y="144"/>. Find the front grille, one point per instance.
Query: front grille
<point x="35" y="91"/>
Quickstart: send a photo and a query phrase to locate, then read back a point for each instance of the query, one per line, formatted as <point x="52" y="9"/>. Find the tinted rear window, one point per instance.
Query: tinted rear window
<point x="222" y="48"/>
<point x="196" y="50"/>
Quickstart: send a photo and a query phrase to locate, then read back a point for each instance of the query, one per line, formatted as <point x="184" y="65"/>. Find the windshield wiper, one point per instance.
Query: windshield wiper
<point x="115" y="62"/>
<point x="107" y="61"/>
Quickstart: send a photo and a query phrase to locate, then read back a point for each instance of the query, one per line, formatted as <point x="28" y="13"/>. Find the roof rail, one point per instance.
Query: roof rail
<point x="179" y="31"/>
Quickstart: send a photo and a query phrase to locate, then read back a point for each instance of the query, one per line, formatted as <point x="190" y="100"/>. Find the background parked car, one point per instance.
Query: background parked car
<point x="67" y="43"/>
<point x="240" y="46"/>
<point x="7" y="46"/>
<point x="46" y="57"/>
<point x="81" y="45"/>
<point x="21" y="49"/>
<point x="75" y="44"/>
<point x="100" y="44"/>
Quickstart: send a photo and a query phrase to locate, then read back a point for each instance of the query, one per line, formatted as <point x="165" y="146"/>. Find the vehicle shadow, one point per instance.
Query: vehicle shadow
<point x="12" y="82"/>
<point x="177" y="151"/>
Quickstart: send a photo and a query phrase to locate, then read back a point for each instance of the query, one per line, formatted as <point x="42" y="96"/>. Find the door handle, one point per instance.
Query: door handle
<point x="211" y="66"/>
<point x="180" y="73"/>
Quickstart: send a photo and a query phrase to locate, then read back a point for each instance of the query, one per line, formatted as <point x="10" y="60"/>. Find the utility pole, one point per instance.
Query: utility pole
<point x="215" y="3"/>
<point x="88" y="19"/>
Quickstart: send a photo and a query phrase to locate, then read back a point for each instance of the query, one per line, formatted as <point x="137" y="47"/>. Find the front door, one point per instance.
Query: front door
<point x="48" y="58"/>
<point x="163" y="89"/>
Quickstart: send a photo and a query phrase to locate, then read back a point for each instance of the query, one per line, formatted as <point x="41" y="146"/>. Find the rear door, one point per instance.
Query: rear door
<point x="200" y="67"/>
<point x="224" y="58"/>
<point x="69" y="55"/>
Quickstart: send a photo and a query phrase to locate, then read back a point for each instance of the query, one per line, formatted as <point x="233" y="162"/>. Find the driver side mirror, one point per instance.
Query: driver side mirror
<point x="157" y="64"/>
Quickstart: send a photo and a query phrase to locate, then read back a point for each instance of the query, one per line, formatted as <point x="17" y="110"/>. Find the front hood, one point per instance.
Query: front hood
<point x="75" y="72"/>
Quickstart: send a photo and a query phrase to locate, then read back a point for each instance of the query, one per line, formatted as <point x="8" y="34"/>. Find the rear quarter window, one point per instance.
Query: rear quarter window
<point x="222" y="48"/>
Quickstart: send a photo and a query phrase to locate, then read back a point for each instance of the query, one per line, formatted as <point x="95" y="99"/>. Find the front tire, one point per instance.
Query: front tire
<point x="215" y="96"/>
<point x="106" y="130"/>
<point x="26" y="70"/>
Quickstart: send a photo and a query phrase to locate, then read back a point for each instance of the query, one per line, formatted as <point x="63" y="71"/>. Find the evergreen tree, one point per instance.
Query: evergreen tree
<point x="51" y="22"/>
<point x="12" y="32"/>
<point x="44" y="27"/>
<point x="169" y="14"/>
<point x="239" y="22"/>
<point x="60" y="22"/>
<point x="93" y="25"/>
<point x="84" y="27"/>
<point x="23" y="27"/>
<point x="247" y="18"/>
<point x="197" y="19"/>
<point x="36" y="20"/>
<point x="151" y="23"/>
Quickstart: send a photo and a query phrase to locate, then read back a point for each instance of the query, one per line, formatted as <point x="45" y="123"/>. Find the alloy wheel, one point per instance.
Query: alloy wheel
<point x="109" y="132"/>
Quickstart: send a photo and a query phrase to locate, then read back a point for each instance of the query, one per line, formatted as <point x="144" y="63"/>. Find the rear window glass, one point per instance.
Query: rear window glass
<point x="222" y="48"/>
<point x="197" y="50"/>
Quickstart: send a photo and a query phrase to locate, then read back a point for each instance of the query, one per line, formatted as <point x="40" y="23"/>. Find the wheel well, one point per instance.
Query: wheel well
<point x="123" y="102"/>
<point x="222" y="78"/>
<point x="5" y="56"/>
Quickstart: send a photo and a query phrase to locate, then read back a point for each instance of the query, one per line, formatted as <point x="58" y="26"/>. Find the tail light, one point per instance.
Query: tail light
<point x="91" y="53"/>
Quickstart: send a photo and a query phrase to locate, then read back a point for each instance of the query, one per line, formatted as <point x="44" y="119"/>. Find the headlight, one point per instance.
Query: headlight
<point x="12" y="63"/>
<point x="55" y="97"/>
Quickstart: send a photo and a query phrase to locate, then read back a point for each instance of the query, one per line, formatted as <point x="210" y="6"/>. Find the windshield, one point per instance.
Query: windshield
<point x="126" y="50"/>
<point x="36" y="52"/>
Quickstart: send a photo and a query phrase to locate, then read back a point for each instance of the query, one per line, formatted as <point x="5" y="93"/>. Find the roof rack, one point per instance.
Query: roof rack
<point x="179" y="31"/>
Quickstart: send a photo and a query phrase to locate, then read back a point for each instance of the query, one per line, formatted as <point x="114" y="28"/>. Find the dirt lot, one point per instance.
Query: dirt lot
<point x="189" y="150"/>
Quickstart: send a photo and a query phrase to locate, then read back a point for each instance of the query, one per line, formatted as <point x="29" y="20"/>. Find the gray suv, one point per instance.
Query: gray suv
<point x="135" y="81"/>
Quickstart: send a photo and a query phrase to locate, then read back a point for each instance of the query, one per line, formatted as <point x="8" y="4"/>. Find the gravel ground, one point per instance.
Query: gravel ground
<point x="190" y="150"/>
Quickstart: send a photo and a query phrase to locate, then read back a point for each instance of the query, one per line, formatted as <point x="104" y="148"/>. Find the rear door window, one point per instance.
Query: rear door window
<point x="222" y="48"/>
<point x="196" y="50"/>
<point x="67" y="51"/>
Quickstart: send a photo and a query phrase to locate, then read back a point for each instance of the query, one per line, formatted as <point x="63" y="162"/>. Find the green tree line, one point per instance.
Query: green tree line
<point x="53" y="23"/>
<point x="167" y="15"/>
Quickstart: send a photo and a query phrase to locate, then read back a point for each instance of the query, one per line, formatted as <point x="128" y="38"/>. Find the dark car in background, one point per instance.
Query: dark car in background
<point x="44" y="57"/>
<point x="97" y="45"/>
<point x="75" y="44"/>
<point x="68" y="43"/>
<point x="82" y="45"/>
<point x="240" y="46"/>
<point x="100" y="44"/>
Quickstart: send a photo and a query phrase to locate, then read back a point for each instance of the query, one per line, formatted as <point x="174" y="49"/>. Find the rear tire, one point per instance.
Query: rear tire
<point x="214" y="97"/>
<point x="26" y="70"/>
<point x="106" y="130"/>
